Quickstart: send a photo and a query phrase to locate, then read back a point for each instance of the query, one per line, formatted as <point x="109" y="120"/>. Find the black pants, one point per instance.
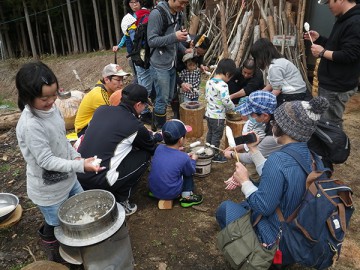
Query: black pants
<point x="130" y="171"/>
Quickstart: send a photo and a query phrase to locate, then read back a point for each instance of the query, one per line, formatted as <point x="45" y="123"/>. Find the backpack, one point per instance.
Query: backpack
<point x="330" y="142"/>
<point x="314" y="232"/>
<point x="141" y="53"/>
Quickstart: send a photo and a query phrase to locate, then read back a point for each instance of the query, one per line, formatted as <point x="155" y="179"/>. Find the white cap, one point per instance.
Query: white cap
<point x="113" y="70"/>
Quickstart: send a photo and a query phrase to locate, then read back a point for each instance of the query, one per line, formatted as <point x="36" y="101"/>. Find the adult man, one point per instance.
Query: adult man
<point x="117" y="137"/>
<point x="112" y="80"/>
<point x="339" y="68"/>
<point x="164" y="51"/>
<point x="246" y="80"/>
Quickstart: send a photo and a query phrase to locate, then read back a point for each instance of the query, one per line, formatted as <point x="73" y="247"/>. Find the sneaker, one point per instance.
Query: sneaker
<point x="130" y="208"/>
<point x="219" y="159"/>
<point x="191" y="200"/>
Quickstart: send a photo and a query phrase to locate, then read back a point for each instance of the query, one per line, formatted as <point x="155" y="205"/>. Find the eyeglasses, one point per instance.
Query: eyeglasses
<point x="119" y="80"/>
<point x="273" y="123"/>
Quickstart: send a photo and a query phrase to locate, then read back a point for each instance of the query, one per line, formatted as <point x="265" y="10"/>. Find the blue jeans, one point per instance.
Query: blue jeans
<point x="164" y="81"/>
<point x="188" y="183"/>
<point x="229" y="211"/>
<point x="50" y="212"/>
<point x="337" y="102"/>
<point x="144" y="78"/>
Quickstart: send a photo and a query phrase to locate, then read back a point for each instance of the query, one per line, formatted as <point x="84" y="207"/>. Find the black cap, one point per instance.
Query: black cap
<point x="135" y="92"/>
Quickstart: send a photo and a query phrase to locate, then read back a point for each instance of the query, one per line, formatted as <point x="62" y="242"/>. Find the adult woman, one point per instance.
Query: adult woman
<point x="285" y="80"/>
<point x="282" y="183"/>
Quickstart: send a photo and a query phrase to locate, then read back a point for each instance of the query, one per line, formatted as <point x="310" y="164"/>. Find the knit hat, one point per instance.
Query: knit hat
<point x="298" y="119"/>
<point x="135" y="92"/>
<point x="113" y="70"/>
<point x="258" y="102"/>
<point x="174" y="129"/>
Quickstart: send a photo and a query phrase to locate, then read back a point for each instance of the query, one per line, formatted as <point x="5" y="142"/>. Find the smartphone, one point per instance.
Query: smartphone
<point x="248" y="138"/>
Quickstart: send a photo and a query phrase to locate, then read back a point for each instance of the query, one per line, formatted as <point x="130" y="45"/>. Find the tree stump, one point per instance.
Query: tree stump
<point x="193" y="118"/>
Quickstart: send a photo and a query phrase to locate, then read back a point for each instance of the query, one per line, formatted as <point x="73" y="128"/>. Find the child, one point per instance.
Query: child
<point x="191" y="75"/>
<point x="172" y="170"/>
<point x="52" y="162"/>
<point x="218" y="102"/>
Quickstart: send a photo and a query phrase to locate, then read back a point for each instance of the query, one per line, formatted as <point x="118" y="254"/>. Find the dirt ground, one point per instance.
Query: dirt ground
<point x="161" y="239"/>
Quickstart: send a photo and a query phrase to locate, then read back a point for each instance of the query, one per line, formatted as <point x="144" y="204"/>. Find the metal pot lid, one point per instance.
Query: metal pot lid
<point x="73" y="242"/>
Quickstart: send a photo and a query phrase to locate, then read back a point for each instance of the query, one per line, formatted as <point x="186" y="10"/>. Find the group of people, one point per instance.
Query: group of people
<point x="276" y="112"/>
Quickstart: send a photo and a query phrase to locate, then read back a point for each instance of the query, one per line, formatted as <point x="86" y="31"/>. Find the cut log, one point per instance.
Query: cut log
<point x="9" y="120"/>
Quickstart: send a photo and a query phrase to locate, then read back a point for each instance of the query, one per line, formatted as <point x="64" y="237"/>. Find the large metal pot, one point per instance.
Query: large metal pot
<point x="8" y="204"/>
<point x="88" y="218"/>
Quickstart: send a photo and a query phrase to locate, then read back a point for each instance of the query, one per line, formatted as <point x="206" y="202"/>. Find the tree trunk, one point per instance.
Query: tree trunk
<point x="108" y="23"/>
<point x="97" y="23"/>
<point x="31" y="37"/>
<point x="78" y="29"/>
<point x="24" y="47"/>
<point x="116" y="21"/>
<point x="51" y="31"/>
<point x="82" y="27"/>
<point x="66" y="32"/>
<point x="72" y="27"/>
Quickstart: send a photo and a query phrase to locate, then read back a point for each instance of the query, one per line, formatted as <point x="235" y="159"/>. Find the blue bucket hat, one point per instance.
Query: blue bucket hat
<point x="258" y="102"/>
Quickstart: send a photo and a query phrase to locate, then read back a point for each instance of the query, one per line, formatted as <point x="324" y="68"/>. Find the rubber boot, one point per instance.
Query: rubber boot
<point x="51" y="246"/>
<point x="158" y="120"/>
<point x="175" y="106"/>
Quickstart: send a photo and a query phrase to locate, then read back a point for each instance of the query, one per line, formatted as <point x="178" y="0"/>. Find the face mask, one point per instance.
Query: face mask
<point x="252" y="120"/>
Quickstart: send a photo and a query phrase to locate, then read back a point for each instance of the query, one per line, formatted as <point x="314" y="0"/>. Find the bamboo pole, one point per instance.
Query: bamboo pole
<point x="245" y="39"/>
<point x="263" y="29"/>
<point x="223" y="30"/>
<point x="271" y="27"/>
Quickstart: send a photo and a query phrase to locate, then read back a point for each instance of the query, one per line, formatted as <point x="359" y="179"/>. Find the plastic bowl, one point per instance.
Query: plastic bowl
<point x="8" y="204"/>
